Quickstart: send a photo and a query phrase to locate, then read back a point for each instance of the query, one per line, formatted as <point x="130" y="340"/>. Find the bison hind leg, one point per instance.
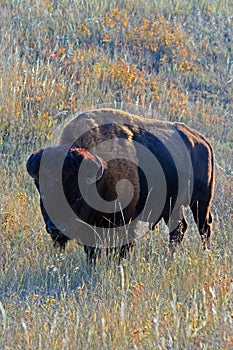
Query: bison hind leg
<point x="177" y="235"/>
<point x="206" y="231"/>
<point x="178" y="223"/>
<point x="203" y="218"/>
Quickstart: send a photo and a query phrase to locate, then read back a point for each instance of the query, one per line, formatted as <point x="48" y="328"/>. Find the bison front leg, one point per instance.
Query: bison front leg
<point x="125" y="250"/>
<point x="120" y="253"/>
<point x="93" y="253"/>
<point x="59" y="240"/>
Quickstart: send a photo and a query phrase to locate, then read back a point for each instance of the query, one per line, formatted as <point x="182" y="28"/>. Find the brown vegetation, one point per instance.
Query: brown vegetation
<point x="58" y="58"/>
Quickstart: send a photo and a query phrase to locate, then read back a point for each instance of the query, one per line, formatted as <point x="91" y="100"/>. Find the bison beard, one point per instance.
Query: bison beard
<point x="185" y="157"/>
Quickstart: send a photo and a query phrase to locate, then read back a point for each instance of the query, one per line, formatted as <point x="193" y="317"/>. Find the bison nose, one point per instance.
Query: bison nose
<point x="50" y="227"/>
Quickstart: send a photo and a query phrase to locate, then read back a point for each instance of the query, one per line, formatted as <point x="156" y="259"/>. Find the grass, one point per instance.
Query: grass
<point x="169" y="60"/>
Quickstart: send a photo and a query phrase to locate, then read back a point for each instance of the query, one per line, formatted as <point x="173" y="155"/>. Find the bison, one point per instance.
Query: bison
<point x="111" y="169"/>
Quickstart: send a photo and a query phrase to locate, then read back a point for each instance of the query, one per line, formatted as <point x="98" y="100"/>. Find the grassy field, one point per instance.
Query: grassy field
<point x="171" y="60"/>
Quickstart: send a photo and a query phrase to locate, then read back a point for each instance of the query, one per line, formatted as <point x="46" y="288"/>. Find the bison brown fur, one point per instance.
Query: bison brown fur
<point x="184" y="155"/>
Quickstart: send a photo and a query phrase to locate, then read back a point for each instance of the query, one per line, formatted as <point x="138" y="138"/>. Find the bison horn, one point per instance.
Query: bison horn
<point x="33" y="164"/>
<point x="99" y="174"/>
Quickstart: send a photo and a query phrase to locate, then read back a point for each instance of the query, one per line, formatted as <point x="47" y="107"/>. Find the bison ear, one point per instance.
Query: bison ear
<point x="94" y="169"/>
<point x="33" y="164"/>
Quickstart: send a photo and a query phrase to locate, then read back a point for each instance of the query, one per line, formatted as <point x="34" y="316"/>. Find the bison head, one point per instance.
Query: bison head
<point x="58" y="173"/>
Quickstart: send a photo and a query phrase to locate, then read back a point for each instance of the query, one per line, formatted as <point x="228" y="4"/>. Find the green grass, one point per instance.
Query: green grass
<point x="172" y="60"/>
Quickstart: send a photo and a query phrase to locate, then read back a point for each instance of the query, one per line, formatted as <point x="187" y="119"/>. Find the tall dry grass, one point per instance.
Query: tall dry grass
<point x="172" y="60"/>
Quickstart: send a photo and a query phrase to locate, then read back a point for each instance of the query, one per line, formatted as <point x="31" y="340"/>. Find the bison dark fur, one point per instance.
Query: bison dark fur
<point x="184" y="155"/>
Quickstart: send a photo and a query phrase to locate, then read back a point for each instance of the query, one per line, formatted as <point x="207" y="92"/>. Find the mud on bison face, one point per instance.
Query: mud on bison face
<point x="59" y="178"/>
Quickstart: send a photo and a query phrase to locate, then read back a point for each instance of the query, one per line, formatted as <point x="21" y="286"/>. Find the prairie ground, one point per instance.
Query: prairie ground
<point x="169" y="60"/>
